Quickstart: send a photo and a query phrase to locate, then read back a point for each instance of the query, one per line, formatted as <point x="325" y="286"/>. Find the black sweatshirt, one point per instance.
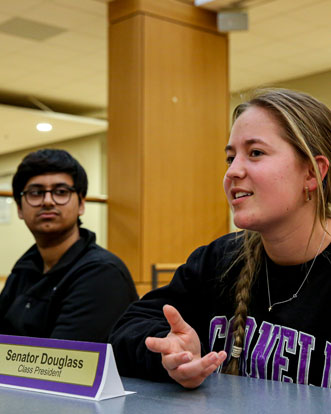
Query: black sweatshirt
<point x="80" y="298"/>
<point x="291" y="343"/>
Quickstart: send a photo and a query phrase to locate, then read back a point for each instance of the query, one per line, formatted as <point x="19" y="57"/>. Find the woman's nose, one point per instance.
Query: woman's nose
<point x="237" y="168"/>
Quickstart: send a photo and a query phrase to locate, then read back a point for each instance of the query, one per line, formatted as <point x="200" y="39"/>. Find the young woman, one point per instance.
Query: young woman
<point x="254" y="303"/>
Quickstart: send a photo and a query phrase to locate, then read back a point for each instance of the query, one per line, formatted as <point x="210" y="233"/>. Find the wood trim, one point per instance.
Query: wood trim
<point x="97" y="199"/>
<point x="91" y="199"/>
<point x="6" y="193"/>
<point x="158" y="268"/>
<point x="170" y="9"/>
<point x="2" y="282"/>
<point x="166" y="267"/>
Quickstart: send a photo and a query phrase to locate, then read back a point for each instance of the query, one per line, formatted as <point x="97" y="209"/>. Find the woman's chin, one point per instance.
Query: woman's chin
<point x="246" y="223"/>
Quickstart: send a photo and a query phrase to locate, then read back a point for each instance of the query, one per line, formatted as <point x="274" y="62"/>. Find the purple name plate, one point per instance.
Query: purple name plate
<point x="79" y="369"/>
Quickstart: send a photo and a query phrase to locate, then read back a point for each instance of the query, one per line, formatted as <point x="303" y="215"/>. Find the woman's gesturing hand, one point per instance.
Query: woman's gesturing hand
<point x="181" y="352"/>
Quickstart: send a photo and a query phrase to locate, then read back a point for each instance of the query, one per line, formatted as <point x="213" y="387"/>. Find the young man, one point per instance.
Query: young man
<point x="65" y="286"/>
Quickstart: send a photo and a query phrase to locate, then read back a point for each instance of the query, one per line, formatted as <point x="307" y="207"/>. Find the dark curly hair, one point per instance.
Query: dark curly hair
<point x="49" y="161"/>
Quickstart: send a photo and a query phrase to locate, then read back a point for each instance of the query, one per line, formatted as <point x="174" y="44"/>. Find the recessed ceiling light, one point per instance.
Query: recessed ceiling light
<point x="44" y="127"/>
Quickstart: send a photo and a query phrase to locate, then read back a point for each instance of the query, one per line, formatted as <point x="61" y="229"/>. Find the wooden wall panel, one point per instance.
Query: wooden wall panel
<point x="168" y="117"/>
<point x="125" y="142"/>
<point x="185" y="132"/>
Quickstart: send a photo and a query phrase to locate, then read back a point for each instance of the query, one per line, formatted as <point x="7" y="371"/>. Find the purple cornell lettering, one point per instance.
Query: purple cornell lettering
<point x="326" y="381"/>
<point x="288" y="340"/>
<point x="307" y="345"/>
<point x="249" y="332"/>
<point x="217" y="329"/>
<point x="262" y="350"/>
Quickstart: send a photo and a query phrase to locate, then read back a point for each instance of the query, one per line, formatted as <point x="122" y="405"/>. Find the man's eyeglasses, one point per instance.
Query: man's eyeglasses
<point x="60" y="195"/>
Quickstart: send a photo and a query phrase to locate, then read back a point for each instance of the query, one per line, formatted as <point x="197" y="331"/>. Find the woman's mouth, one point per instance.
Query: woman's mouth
<point x="241" y="194"/>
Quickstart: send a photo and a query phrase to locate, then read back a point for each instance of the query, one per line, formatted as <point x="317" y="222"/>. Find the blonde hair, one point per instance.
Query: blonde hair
<point x="306" y="125"/>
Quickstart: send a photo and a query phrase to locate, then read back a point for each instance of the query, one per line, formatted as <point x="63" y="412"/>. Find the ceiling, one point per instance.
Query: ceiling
<point x="18" y="127"/>
<point x="286" y="39"/>
<point x="53" y="53"/>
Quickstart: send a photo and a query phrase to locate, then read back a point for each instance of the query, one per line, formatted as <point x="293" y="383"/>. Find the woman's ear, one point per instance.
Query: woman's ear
<point x="323" y="166"/>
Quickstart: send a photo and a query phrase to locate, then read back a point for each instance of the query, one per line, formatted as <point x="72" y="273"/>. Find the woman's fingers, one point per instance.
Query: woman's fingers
<point x="161" y="345"/>
<point x="202" y="366"/>
<point x="193" y="373"/>
<point x="176" y="322"/>
<point x="173" y="361"/>
<point x="180" y="351"/>
<point x="181" y="338"/>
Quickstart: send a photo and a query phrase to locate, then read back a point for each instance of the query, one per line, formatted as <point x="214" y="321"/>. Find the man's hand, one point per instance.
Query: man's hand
<point x="181" y="352"/>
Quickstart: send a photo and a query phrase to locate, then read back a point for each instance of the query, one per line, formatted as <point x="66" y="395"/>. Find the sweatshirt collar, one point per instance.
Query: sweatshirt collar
<point x="32" y="259"/>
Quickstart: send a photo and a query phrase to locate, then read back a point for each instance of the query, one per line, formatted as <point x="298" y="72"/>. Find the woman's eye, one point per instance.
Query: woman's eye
<point x="229" y="159"/>
<point x="256" y="153"/>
